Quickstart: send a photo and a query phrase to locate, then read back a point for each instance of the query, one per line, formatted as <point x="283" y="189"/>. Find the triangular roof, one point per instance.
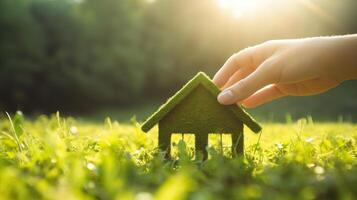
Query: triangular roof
<point x="200" y="79"/>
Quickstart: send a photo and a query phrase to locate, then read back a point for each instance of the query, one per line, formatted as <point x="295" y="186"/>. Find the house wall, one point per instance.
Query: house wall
<point x="200" y="112"/>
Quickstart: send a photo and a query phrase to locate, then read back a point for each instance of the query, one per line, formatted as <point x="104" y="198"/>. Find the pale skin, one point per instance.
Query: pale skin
<point x="296" y="67"/>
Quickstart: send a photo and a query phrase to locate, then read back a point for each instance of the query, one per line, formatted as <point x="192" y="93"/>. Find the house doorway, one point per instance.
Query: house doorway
<point x="180" y="139"/>
<point x="220" y="143"/>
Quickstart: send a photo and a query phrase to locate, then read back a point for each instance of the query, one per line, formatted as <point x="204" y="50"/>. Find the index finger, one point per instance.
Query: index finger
<point x="250" y="57"/>
<point x="235" y="62"/>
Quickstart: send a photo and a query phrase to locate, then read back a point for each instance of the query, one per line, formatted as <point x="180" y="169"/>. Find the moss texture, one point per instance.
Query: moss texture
<point x="201" y="79"/>
<point x="201" y="119"/>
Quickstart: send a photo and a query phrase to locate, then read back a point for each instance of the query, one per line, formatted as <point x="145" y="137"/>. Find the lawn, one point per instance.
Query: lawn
<point x="50" y="157"/>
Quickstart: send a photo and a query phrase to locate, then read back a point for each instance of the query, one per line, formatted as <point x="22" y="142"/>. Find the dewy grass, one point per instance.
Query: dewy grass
<point x="62" y="158"/>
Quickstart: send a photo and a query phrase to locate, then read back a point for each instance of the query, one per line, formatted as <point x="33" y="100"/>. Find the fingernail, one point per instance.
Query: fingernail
<point x="225" y="97"/>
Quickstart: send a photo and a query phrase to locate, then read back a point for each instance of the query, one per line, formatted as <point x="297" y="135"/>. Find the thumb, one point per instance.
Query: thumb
<point x="247" y="86"/>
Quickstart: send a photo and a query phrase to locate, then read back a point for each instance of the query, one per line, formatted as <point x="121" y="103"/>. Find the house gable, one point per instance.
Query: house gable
<point x="204" y="81"/>
<point x="200" y="112"/>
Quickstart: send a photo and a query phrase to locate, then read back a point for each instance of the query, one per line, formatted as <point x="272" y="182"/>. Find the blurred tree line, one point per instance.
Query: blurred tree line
<point x="76" y="55"/>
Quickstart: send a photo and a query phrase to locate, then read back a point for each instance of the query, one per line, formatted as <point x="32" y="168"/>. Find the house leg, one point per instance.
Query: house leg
<point x="201" y="142"/>
<point x="165" y="142"/>
<point x="237" y="144"/>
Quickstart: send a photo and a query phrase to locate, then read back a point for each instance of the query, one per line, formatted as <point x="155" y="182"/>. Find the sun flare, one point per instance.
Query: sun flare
<point x="240" y="8"/>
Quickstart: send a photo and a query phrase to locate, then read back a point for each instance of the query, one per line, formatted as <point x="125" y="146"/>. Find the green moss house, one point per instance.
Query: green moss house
<point x="194" y="109"/>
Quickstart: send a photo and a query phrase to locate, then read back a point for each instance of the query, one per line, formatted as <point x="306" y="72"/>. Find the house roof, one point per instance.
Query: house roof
<point x="200" y="79"/>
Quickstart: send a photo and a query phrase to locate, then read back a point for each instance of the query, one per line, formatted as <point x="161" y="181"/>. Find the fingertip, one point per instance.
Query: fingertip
<point x="217" y="80"/>
<point x="226" y="97"/>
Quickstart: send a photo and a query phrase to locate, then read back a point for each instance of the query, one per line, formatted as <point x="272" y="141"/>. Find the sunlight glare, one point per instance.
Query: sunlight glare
<point x="223" y="3"/>
<point x="239" y="8"/>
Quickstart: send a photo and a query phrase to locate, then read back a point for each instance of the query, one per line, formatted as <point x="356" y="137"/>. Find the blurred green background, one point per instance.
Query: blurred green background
<point x="95" y="58"/>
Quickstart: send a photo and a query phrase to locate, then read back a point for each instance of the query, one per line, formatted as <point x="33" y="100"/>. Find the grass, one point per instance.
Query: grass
<point x="61" y="158"/>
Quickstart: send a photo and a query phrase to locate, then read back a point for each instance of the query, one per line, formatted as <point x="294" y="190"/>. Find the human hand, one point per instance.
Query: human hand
<point x="298" y="67"/>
